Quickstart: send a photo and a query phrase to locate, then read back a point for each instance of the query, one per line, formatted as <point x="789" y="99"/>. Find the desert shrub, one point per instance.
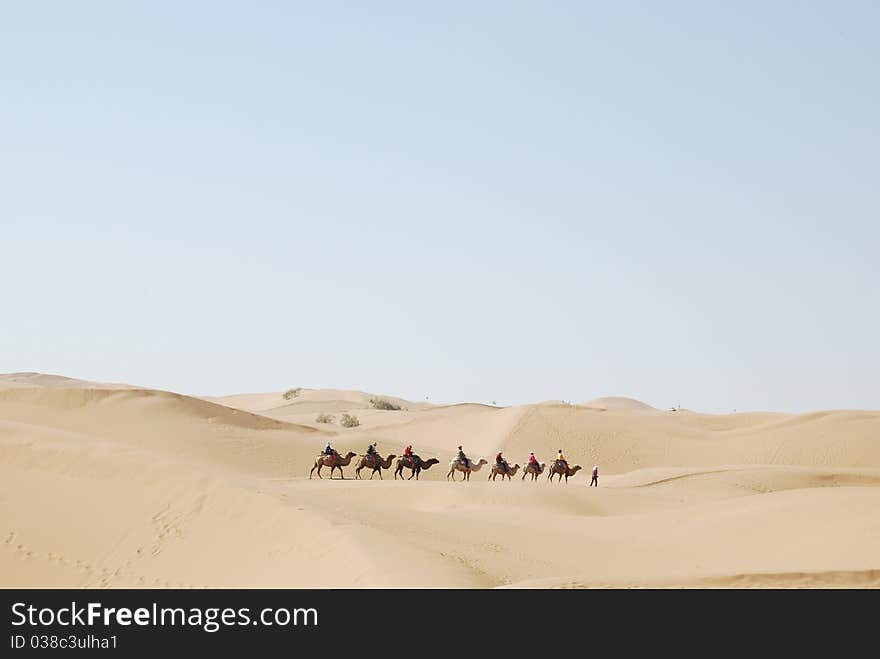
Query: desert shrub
<point x="325" y="418"/>
<point x="382" y="404"/>
<point x="292" y="393"/>
<point x="349" y="421"/>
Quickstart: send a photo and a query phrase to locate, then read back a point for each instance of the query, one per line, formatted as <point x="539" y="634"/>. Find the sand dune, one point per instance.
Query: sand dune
<point x="10" y="380"/>
<point x="116" y="485"/>
<point x="619" y="403"/>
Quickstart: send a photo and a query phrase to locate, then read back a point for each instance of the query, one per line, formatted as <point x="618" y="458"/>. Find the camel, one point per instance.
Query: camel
<point x="415" y="464"/>
<point x="533" y="470"/>
<point x="332" y="461"/>
<point x="457" y="465"/>
<point x="373" y="462"/>
<point x="499" y="469"/>
<point x="560" y="468"/>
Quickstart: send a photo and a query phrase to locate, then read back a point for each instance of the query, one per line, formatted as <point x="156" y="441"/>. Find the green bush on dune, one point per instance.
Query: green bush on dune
<point x="349" y="421"/>
<point x="291" y="393"/>
<point x="325" y="418"/>
<point x="382" y="404"/>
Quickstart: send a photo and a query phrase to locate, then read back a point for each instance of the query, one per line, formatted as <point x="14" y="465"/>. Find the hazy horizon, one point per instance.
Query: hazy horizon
<point x="392" y="394"/>
<point x="508" y="202"/>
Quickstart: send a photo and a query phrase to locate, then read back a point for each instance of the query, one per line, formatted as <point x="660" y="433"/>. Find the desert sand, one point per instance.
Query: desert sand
<point x="113" y="485"/>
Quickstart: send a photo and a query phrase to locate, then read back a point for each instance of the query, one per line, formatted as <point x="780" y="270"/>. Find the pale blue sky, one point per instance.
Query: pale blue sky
<point x="508" y="201"/>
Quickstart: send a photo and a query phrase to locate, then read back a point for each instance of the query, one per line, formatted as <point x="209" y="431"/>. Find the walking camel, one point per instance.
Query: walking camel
<point x="457" y="465"/>
<point x="333" y="461"/>
<point x="560" y="469"/>
<point x="415" y="464"/>
<point x="374" y="462"/>
<point x="533" y="470"/>
<point x="500" y="469"/>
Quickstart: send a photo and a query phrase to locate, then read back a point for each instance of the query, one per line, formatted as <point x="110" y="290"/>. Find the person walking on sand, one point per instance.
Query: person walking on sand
<point x="595" y="479"/>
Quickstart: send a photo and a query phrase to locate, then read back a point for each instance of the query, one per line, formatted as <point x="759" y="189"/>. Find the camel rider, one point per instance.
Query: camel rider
<point x="463" y="458"/>
<point x="407" y="452"/>
<point x="561" y="458"/>
<point x="329" y="450"/>
<point x="532" y="459"/>
<point x="371" y="449"/>
<point x="501" y="462"/>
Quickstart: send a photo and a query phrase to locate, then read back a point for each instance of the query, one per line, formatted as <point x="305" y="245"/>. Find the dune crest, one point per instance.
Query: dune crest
<point x="47" y="380"/>
<point x="619" y="404"/>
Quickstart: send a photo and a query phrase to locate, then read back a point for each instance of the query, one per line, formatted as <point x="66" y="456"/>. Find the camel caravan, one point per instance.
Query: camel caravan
<point x="461" y="463"/>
